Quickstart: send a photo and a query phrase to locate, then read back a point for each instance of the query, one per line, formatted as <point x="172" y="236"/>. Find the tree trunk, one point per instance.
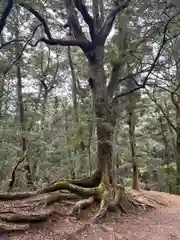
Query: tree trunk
<point x="177" y="105"/>
<point x="131" y="121"/>
<point x="72" y="162"/>
<point x="178" y="150"/>
<point x="166" y="155"/>
<point x="43" y="111"/>
<point x="90" y="124"/>
<point x="80" y="146"/>
<point x="103" y="121"/>
<point x="131" y="108"/>
<point x="20" y="107"/>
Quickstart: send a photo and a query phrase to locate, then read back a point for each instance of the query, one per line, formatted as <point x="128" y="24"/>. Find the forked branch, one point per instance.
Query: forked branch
<point x="81" y="7"/>
<point x="80" y="40"/>
<point x="108" y="23"/>
<point x="73" y="21"/>
<point x="39" y="17"/>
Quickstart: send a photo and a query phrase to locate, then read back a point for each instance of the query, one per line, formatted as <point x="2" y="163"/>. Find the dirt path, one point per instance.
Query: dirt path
<point x="159" y="224"/>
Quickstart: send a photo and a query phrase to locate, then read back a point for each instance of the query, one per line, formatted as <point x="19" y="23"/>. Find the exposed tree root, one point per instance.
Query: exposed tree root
<point x="9" y="227"/>
<point x="55" y="197"/>
<point x="82" y="204"/>
<point x="65" y="185"/>
<point x="110" y="199"/>
<point x="26" y="217"/>
<point x="16" y="196"/>
<point x="103" y="206"/>
<point x="87" y="182"/>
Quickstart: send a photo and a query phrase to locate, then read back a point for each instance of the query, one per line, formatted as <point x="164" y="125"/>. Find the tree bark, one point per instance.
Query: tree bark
<point x="132" y="100"/>
<point x="43" y="111"/>
<point x="131" y="121"/>
<point x="20" y="107"/>
<point x="177" y="106"/>
<point x="166" y="155"/>
<point x="103" y="119"/>
<point x="80" y="146"/>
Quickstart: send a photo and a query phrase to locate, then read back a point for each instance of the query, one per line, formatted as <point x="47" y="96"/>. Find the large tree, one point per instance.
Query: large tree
<point x="101" y="185"/>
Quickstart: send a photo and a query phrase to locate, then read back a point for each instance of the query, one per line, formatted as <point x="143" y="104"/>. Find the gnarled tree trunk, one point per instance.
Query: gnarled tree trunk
<point x="103" y="116"/>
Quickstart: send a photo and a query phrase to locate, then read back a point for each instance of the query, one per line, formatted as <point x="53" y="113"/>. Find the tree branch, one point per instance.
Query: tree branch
<point x="5" y="15"/>
<point x="164" y="41"/>
<point x="39" y="17"/>
<point x="162" y="110"/>
<point x="128" y="92"/>
<point x="11" y="41"/>
<point x="22" y="50"/>
<point x="73" y="21"/>
<point x="108" y="23"/>
<point x="62" y="42"/>
<point x="80" y="40"/>
<point x="175" y="102"/>
<point x="86" y="16"/>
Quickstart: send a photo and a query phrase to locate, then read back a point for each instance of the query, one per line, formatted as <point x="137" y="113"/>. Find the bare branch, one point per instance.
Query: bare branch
<point x="39" y="17"/>
<point x="128" y="92"/>
<point x="153" y="65"/>
<point x="73" y="21"/>
<point x="162" y="110"/>
<point x="164" y="41"/>
<point x="62" y="42"/>
<point x="20" y="55"/>
<point x="12" y="41"/>
<point x="5" y="15"/>
<point x="108" y="23"/>
<point x="86" y="16"/>
<point x="80" y="40"/>
<point x="175" y="102"/>
<point x="133" y="75"/>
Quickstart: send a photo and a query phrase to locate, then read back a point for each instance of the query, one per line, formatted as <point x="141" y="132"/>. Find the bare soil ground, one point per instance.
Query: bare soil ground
<point x="162" y="223"/>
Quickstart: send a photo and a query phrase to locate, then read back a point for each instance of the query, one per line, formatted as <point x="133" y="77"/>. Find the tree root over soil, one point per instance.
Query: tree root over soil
<point x="23" y="209"/>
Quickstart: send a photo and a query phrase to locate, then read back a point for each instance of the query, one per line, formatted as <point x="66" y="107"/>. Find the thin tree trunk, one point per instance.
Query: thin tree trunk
<point x="131" y="108"/>
<point x="90" y="124"/>
<point x="132" y="123"/>
<point x="166" y="155"/>
<point x="72" y="163"/>
<point x="172" y="135"/>
<point x="43" y="111"/>
<point x="2" y="82"/>
<point x="177" y="105"/>
<point x="74" y="86"/>
<point x="20" y="107"/>
<point x="80" y="147"/>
